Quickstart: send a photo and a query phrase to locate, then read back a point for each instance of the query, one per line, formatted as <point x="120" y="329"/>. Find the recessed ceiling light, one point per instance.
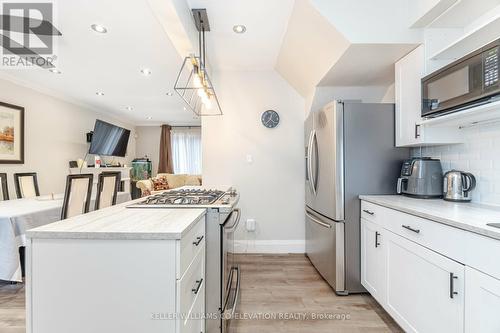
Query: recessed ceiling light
<point x="239" y="29"/>
<point x="146" y="71"/>
<point x="55" y="71"/>
<point x="99" y="93"/>
<point x="129" y="108"/>
<point x="170" y="93"/>
<point x="149" y="118"/>
<point x="99" y="28"/>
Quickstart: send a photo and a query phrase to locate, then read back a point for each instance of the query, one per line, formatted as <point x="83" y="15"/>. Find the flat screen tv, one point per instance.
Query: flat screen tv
<point x="109" y="140"/>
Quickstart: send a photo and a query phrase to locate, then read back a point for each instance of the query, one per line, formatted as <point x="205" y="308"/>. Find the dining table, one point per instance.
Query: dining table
<point x="19" y="215"/>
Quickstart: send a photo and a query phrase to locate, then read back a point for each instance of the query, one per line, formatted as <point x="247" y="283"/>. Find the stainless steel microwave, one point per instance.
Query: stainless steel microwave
<point x="470" y="81"/>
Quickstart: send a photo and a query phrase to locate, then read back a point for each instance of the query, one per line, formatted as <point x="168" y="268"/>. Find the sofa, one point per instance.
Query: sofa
<point x="167" y="181"/>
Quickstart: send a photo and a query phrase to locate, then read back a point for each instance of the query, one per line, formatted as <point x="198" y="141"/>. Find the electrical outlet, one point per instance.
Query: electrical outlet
<point x="250" y="225"/>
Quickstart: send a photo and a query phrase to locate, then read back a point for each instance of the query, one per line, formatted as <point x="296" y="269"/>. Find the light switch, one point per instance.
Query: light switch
<point x="249" y="159"/>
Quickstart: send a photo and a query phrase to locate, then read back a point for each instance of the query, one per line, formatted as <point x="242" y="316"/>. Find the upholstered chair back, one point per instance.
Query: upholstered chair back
<point x="26" y="185"/>
<point x="77" y="195"/>
<point x="107" y="189"/>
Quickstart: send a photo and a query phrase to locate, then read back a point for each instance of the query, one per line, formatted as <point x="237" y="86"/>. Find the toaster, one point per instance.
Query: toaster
<point x="421" y="177"/>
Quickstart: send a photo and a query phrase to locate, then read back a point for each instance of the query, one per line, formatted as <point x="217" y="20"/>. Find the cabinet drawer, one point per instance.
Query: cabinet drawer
<point x="371" y="212"/>
<point x="195" y="322"/>
<point x="438" y="237"/>
<point x="190" y="245"/>
<point x="190" y="286"/>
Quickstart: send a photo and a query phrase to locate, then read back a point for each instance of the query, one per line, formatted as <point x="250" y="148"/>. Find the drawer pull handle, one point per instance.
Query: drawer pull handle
<point x="368" y="212"/>
<point x="196" y="289"/>
<point x="452" y="287"/>
<point x="411" y="229"/>
<point x="377" y="244"/>
<point x="198" y="240"/>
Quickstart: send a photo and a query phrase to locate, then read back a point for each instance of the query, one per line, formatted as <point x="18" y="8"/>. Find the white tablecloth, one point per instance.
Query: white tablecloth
<point x="19" y="215"/>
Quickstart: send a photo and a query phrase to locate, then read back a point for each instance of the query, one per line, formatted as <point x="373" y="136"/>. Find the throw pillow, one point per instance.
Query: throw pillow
<point x="160" y="184"/>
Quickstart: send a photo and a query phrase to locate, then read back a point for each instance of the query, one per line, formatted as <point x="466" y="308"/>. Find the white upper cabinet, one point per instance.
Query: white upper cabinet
<point x="409" y="72"/>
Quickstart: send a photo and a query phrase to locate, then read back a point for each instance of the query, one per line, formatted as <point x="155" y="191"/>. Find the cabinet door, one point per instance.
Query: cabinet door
<point x="425" y="290"/>
<point x="409" y="71"/>
<point x="482" y="302"/>
<point x="372" y="259"/>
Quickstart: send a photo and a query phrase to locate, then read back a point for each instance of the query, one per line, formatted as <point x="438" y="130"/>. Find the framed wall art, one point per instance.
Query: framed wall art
<point x="11" y="134"/>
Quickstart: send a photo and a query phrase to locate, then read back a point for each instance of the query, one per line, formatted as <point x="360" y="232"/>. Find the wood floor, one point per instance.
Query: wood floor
<point x="271" y="286"/>
<point x="12" y="314"/>
<point x="290" y="284"/>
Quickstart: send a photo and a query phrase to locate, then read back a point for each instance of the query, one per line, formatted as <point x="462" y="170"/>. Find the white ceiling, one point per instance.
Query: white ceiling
<point x="366" y="65"/>
<point x="111" y="62"/>
<point x="258" y="48"/>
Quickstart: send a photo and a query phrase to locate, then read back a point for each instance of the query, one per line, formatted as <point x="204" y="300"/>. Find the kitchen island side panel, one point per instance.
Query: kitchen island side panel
<point x="85" y="285"/>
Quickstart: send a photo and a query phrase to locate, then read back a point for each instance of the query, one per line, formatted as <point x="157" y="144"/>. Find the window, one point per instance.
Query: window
<point x="186" y="150"/>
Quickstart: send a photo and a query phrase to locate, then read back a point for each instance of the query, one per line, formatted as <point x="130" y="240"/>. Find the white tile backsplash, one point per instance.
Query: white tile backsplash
<point x="480" y="155"/>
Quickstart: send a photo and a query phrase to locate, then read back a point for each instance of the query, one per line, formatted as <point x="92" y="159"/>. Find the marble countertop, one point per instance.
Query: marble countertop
<point x="467" y="216"/>
<point x="119" y="222"/>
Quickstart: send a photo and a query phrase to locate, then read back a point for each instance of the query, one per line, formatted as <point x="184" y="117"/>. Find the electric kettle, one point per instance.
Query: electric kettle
<point x="457" y="186"/>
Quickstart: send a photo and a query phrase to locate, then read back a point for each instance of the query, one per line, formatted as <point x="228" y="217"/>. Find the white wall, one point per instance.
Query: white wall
<point x="367" y="94"/>
<point x="480" y="155"/>
<point x="54" y="135"/>
<point x="148" y="143"/>
<point x="272" y="185"/>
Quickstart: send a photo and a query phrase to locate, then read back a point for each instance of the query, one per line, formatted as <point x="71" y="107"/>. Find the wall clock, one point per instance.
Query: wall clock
<point x="270" y="118"/>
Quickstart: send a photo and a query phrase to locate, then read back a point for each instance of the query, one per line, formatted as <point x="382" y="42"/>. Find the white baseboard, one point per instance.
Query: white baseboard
<point x="269" y="246"/>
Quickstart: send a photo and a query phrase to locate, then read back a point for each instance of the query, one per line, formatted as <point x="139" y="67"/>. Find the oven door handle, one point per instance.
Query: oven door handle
<point x="236" y="293"/>
<point x="228" y="289"/>
<point x="231" y="228"/>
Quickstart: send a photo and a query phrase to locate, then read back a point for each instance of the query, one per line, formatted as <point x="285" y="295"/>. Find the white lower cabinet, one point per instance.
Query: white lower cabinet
<point x="372" y="259"/>
<point x="482" y="302"/>
<point x="428" y="276"/>
<point x="425" y="290"/>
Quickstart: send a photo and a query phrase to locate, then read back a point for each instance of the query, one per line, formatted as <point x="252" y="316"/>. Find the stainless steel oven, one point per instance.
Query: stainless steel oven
<point x="222" y="274"/>
<point x="470" y="81"/>
<point x="231" y="276"/>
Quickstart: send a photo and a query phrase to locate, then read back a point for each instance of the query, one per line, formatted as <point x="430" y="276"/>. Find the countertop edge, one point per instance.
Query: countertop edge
<point x="105" y="235"/>
<point x="438" y="219"/>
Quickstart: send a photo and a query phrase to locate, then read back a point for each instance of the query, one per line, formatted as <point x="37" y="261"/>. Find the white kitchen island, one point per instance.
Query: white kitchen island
<point x="118" y="270"/>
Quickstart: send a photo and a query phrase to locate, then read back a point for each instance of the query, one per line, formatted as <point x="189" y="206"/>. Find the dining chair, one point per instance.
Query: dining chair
<point x="107" y="188"/>
<point x="4" y="189"/>
<point x="26" y="184"/>
<point x="77" y="195"/>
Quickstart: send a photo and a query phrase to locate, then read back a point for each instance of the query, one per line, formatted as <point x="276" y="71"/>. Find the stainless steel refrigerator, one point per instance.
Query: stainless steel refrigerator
<point x="350" y="150"/>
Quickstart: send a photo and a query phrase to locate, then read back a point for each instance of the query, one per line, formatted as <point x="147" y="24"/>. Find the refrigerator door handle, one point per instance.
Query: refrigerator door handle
<point x="315" y="220"/>
<point x="314" y="180"/>
<point x="309" y="162"/>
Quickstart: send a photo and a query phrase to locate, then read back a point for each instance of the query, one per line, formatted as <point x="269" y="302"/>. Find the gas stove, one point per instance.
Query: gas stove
<point x="190" y="197"/>
<point x="184" y="197"/>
